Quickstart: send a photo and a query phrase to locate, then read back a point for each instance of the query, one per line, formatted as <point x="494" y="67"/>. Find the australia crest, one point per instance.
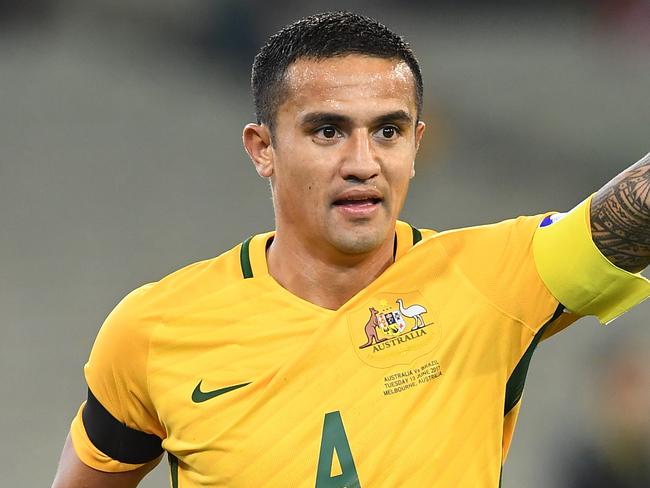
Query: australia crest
<point x="393" y="329"/>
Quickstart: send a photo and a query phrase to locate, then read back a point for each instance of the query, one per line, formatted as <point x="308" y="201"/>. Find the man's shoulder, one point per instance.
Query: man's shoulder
<point x="486" y="238"/>
<point x="213" y="273"/>
<point x="497" y="261"/>
<point x="187" y="284"/>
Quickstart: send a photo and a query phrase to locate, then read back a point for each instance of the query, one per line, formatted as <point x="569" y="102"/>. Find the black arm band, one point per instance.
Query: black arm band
<point x="115" y="439"/>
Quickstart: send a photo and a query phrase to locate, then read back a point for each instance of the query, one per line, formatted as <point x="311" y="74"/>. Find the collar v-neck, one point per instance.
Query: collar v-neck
<point x="252" y="255"/>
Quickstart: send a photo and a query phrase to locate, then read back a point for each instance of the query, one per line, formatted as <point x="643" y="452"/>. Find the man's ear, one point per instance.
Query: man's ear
<point x="419" y="132"/>
<point x="257" y="142"/>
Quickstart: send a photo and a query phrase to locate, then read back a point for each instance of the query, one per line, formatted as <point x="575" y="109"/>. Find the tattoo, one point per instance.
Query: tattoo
<point x="620" y="217"/>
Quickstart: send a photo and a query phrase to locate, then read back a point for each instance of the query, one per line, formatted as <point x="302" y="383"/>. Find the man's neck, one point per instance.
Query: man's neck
<point x="325" y="280"/>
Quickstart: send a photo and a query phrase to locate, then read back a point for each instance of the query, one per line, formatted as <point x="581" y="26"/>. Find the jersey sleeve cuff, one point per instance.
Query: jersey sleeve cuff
<point x="578" y="275"/>
<point x="89" y="454"/>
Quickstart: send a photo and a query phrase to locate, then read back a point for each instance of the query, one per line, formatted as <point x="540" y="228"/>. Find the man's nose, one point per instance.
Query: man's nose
<point x="360" y="161"/>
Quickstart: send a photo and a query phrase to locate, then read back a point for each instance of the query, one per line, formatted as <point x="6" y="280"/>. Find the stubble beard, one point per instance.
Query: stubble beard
<point x="361" y="238"/>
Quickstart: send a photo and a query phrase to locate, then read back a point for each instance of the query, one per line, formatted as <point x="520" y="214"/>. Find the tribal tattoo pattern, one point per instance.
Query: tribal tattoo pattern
<point x="620" y="217"/>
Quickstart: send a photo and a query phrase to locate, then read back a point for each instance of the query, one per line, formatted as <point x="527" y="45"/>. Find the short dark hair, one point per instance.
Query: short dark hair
<point x="323" y="36"/>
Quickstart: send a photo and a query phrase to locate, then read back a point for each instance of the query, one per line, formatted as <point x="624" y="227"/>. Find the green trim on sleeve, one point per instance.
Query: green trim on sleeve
<point x="517" y="380"/>
<point x="173" y="469"/>
<point x="578" y="275"/>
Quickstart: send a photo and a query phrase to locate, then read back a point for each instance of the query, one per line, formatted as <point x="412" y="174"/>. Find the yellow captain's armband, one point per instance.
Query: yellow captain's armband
<point x="576" y="272"/>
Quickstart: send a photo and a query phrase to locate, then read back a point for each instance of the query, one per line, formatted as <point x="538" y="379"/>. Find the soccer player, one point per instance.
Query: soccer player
<point x="347" y="348"/>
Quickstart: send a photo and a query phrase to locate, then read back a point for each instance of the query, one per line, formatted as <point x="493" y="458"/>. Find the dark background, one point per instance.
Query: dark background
<point x="121" y="160"/>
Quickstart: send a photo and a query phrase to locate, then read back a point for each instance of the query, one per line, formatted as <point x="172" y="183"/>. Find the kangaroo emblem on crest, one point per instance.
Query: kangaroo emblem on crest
<point x="371" y="329"/>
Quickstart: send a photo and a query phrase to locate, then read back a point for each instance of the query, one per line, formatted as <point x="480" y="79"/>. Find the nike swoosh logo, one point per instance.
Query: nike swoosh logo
<point x="199" y="396"/>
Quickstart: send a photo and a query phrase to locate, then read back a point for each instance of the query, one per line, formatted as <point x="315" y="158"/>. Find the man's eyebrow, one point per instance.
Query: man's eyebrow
<point x="396" y="117"/>
<point x="323" y="118"/>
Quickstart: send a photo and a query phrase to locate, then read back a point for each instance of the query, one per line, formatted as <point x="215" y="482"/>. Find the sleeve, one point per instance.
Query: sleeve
<point x="117" y="429"/>
<point x="577" y="274"/>
<point x="498" y="261"/>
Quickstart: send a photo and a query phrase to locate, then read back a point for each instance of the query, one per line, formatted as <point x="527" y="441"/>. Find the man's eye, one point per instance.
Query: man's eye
<point x="389" y="132"/>
<point x="328" y="132"/>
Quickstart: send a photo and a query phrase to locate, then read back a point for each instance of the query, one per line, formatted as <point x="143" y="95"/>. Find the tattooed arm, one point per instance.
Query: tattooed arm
<point x="620" y="217"/>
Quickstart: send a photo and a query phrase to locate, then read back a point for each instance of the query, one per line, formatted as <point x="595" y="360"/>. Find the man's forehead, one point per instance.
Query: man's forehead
<point x="347" y="68"/>
<point x="348" y="78"/>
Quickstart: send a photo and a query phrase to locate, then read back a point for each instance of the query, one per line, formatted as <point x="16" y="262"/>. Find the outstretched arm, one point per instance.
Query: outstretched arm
<point x="620" y="217"/>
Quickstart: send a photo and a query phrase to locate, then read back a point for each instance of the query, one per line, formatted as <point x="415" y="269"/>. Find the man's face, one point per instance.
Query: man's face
<point x="343" y="150"/>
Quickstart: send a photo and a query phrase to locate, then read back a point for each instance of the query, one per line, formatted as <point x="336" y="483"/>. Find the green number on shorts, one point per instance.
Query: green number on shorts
<point x="334" y="442"/>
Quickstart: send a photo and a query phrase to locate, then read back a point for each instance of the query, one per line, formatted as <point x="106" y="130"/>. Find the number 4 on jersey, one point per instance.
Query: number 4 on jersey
<point x="334" y="447"/>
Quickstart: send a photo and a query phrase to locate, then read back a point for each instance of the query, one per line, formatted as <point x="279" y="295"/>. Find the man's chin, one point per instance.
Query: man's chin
<point x="359" y="237"/>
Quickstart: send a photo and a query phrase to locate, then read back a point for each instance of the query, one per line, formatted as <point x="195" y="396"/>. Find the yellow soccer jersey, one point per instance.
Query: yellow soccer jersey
<point x="415" y="381"/>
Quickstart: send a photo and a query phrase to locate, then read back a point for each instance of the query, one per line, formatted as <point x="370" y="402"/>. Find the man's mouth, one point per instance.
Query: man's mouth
<point x="358" y="202"/>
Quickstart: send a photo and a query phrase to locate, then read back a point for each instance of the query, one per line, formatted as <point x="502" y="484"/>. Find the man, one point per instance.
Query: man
<point x="256" y="368"/>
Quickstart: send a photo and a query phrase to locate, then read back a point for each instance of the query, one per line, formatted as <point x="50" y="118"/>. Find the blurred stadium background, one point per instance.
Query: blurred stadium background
<point x="120" y="161"/>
